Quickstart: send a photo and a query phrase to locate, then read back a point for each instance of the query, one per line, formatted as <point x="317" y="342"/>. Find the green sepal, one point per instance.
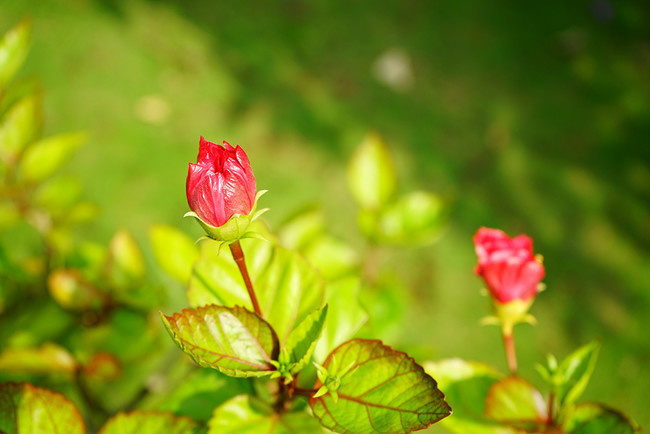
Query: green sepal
<point x="510" y="314"/>
<point x="235" y="228"/>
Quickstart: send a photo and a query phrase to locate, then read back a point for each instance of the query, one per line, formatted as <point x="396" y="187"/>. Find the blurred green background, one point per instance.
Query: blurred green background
<point x="530" y="117"/>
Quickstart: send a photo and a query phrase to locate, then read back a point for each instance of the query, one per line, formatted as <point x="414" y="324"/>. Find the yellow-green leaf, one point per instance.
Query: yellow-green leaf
<point x="232" y="340"/>
<point x="379" y="390"/>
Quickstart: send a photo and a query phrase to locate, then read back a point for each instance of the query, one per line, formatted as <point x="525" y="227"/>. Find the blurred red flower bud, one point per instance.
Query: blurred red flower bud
<point x="507" y="265"/>
<point x="220" y="184"/>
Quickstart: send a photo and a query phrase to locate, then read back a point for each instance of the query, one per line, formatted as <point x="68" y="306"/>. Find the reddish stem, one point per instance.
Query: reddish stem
<point x="238" y="255"/>
<point x="551" y="404"/>
<point x="511" y="356"/>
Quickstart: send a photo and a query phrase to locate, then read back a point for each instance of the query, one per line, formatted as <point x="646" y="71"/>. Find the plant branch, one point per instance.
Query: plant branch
<point x="238" y="255"/>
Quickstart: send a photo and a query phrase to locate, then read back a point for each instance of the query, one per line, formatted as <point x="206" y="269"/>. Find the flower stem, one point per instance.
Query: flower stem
<point x="551" y="406"/>
<point x="238" y="255"/>
<point x="511" y="356"/>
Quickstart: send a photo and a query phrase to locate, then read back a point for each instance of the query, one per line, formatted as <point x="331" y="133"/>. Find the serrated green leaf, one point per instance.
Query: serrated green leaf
<point x="381" y="390"/>
<point x="26" y="409"/>
<point x="46" y="156"/>
<point x="232" y="340"/>
<point x="302" y="340"/>
<point x="513" y="401"/>
<point x="20" y="125"/>
<point x="414" y="219"/>
<point x="175" y="252"/>
<point x="287" y="286"/>
<point x="371" y="173"/>
<point x="46" y="359"/>
<point x="248" y="415"/>
<point x="591" y="418"/>
<point x="14" y="46"/>
<point x="346" y="315"/>
<point x="466" y="385"/>
<point x="148" y="422"/>
<point x="573" y="374"/>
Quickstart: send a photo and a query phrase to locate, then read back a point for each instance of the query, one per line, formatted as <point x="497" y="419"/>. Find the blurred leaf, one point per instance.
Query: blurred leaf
<point x="305" y="233"/>
<point x="287" y="286"/>
<point x="175" y="252"/>
<point x="371" y="173"/>
<point x="466" y="385"/>
<point x="34" y="323"/>
<point x="28" y="409"/>
<point x="593" y="418"/>
<point x="198" y="394"/>
<point x="414" y="219"/>
<point x="381" y="390"/>
<point x="386" y="304"/>
<point x="514" y="401"/>
<point x="47" y="359"/>
<point x="573" y="374"/>
<point x="230" y="339"/>
<point x="81" y="212"/>
<point x="148" y="422"/>
<point x="102" y="367"/>
<point x="245" y="414"/>
<point x="302" y="229"/>
<point x="20" y="126"/>
<point x="57" y="195"/>
<point x="332" y="257"/>
<point x="9" y="214"/>
<point x="302" y="340"/>
<point x="46" y="156"/>
<point x="346" y="316"/>
<point x="14" y="47"/>
<point x="125" y="263"/>
<point x="71" y="291"/>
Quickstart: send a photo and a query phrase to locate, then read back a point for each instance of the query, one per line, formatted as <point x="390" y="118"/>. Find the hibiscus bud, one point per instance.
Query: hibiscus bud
<point x="221" y="191"/>
<point x="507" y="265"/>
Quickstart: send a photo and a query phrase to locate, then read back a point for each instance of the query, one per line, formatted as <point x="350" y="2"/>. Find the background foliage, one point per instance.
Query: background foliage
<point x="532" y="118"/>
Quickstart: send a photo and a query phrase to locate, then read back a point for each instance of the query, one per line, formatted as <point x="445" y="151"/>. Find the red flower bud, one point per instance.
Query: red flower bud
<point x="220" y="184"/>
<point x="507" y="265"/>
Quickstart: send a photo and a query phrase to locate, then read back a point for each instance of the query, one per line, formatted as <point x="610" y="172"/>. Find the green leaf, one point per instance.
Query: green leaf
<point x="20" y="126"/>
<point x="513" y="401"/>
<point x="466" y="385"/>
<point x="287" y="286"/>
<point x="46" y="156"/>
<point x="175" y="252"/>
<point x="573" y="374"/>
<point x="148" y="422"/>
<point x="380" y="389"/>
<point x="14" y="46"/>
<point x="244" y="414"/>
<point x="371" y="173"/>
<point x="47" y="359"/>
<point x="415" y="219"/>
<point x="591" y="418"/>
<point x="230" y="339"/>
<point x="302" y="340"/>
<point x="26" y="409"/>
<point x="125" y="263"/>
<point x="346" y="316"/>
